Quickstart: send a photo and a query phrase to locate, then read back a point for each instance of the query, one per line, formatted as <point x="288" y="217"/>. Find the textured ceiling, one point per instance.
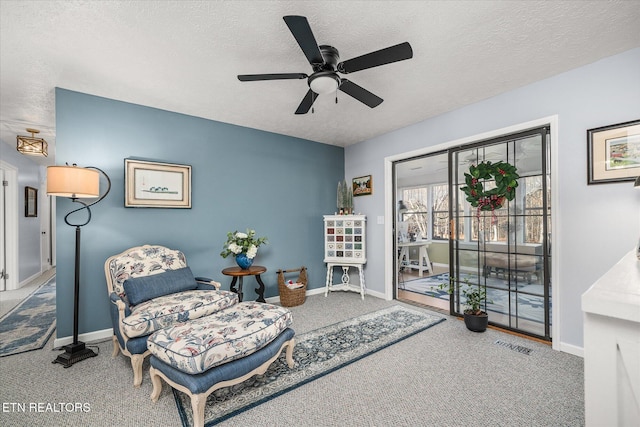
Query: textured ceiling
<point x="184" y="56"/>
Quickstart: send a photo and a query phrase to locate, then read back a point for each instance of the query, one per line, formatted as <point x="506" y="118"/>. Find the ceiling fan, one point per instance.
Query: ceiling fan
<point x="324" y="61"/>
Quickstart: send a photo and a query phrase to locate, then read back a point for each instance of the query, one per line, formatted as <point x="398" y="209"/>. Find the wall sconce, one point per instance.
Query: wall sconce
<point x="30" y="145"/>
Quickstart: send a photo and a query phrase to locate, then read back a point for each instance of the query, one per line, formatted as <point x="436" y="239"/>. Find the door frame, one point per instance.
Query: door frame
<point x="552" y="122"/>
<point x="46" y="261"/>
<point x="11" y="221"/>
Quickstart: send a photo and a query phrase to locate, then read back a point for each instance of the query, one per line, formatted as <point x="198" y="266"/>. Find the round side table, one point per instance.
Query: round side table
<point x="237" y="272"/>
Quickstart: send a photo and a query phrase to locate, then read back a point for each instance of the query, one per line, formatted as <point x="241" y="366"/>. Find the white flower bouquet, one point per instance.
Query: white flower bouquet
<point x="242" y="243"/>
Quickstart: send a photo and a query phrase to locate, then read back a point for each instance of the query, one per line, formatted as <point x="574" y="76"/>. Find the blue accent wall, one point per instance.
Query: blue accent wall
<point x="241" y="178"/>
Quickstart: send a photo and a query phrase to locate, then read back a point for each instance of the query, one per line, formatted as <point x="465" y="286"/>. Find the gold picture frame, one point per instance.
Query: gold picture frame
<point x="150" y="184"/>
<point x="613" y="153"/>
<point x="30" y="202"/>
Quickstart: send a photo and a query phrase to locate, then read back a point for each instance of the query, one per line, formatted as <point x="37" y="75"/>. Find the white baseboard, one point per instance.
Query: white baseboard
<point x="27" y="281"/>
<point x="571" y="349"/>
<point x="318" y="291"/>
<point x="376" y="294"/>
<point x="87" y="338"/>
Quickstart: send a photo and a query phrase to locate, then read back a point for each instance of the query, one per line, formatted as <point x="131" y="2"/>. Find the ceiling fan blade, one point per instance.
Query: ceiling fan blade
<point x="256" y="77"/>
<point x="307" y="102"/>
<point x="396" y="53"/>
<point x="360" y="93"/>
<point x="299" y="27"/>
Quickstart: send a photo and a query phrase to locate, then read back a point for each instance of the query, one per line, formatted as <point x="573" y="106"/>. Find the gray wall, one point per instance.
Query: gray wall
<point x="598" y="224"/>
<point x="278" y="185"/>
<point x="32" y="175"/>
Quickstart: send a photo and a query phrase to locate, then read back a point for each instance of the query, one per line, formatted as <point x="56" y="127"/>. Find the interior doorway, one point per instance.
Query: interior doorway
<point x="507" y="251"/>
<point x="8" y="227"/>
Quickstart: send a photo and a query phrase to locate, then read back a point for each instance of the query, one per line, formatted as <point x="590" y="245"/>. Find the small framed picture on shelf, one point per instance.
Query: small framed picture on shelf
<point x="362" y="186"/>
<point x="151" y="184"/>
<point x="613" y="153"/>
<point x="30" y="202"/>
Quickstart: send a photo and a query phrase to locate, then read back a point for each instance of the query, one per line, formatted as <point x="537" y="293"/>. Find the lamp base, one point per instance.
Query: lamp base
<point x="74" y="353"/>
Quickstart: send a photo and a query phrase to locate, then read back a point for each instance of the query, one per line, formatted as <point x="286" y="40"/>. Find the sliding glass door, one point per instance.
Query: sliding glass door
<point x="440" y="238"/>
<point x="506" y="250"/>
<point x="422" y="228"/>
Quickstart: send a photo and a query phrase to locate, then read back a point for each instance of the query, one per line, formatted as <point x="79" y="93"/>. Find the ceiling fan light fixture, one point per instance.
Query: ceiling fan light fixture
<point x="322" y="83"/>
<point x="30" y="145"/>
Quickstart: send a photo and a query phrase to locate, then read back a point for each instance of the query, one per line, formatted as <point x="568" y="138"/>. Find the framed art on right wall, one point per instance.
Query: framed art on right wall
<point x="613" y="153"/>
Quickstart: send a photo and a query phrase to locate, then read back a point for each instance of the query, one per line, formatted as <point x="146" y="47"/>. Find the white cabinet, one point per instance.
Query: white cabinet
<point x="345" y="247"/>
<point x="344" y="239"/>
<point x="612" y="346"/>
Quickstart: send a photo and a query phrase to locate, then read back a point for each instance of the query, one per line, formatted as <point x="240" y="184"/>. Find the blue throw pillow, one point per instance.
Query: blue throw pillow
<point x="141" y="289"/>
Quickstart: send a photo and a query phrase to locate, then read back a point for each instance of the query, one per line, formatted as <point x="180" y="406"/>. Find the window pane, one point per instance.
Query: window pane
<point x="533" y="185"/>
<point x="415" y="199"/>
<point x="418" y="223"/>
<point x="440" y="225"/>
<point x="440" y="211"/>
<point x="440" y="197"/>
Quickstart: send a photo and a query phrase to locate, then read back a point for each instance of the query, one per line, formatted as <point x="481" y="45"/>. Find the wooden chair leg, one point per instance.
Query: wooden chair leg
<point x="136" y="364"/>
<point x="290" y="361"/>
<point x="116" y="346"/>
<point x="197" y="405"/>
<point x="157" y="384"/>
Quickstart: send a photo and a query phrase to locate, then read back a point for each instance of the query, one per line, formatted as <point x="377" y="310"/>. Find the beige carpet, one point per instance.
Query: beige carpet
<point x="443" y="376"/>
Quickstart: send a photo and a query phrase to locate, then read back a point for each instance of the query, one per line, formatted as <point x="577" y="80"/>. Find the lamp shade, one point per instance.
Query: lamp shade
<point x="73" y="182"/>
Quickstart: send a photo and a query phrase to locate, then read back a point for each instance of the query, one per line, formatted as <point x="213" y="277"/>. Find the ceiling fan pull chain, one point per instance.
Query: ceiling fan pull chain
<point x="336" y="95"/>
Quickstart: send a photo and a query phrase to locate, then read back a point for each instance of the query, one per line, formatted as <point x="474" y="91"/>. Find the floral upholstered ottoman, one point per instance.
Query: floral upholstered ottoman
<point x="225" y="348"/>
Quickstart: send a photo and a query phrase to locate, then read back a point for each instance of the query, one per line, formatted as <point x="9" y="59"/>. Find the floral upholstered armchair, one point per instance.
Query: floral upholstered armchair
<point x="151" y="288"/>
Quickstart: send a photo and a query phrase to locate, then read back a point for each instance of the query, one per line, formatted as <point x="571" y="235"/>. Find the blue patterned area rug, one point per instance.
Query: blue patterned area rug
<point x="530" y="296"/>
<point x="29" y="325"/>
<point x="316" y="353"/>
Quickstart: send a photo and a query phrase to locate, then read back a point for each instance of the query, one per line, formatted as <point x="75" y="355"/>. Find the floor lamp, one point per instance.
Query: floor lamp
<point x="75" y="183"/>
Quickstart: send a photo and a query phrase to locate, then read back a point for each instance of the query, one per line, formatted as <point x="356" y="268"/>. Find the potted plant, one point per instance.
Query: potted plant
<point x="475" y="319"/>
<point x="243" y="246"/>
<point x="344" y="198"/>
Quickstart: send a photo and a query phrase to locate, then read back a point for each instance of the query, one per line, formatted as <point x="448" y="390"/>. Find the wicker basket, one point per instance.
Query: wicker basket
<point x="292" y="297"/>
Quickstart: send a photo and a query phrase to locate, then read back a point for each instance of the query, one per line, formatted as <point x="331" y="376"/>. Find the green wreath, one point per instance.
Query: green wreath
<point x="506" y="179"/>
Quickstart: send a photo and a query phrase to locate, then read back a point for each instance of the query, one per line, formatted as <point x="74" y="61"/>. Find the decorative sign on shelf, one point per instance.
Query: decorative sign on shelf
<point x="363" y="186"/>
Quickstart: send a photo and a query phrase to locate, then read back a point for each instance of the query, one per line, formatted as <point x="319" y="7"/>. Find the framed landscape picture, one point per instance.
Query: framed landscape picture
<point x="613" y="153"/>
<point x="151" y="184"/>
